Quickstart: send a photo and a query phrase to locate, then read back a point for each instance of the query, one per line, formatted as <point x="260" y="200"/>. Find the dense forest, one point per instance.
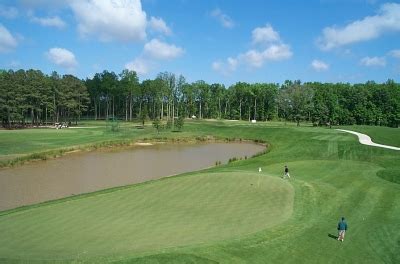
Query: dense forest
<point x="31" y="98"/>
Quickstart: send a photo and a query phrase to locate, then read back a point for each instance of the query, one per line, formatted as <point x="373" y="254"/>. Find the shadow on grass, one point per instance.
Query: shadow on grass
<point x="332" y="236"/>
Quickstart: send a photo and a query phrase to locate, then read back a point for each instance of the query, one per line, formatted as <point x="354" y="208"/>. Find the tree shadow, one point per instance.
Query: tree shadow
<point x="332" y="236"/>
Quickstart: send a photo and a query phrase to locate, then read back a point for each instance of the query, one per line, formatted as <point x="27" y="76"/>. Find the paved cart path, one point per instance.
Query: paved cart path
<point x="366" y="140"/>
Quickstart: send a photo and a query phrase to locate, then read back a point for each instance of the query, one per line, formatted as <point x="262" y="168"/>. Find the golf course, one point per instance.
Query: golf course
<point x="157" y="132"/>
<point x="228" y="213"/>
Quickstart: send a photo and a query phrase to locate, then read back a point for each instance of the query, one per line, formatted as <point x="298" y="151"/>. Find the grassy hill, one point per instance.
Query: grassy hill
<point x="382" y="135"/>
<point x="227" y="214"/>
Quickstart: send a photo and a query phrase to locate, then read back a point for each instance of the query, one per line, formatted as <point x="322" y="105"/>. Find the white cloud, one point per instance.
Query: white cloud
<point x="277" y="52"/>
<point x="252" y="58"/>
<point x="122" y="20"/>
<point x="223" y="18"/>
<point x="140" y="65"/>
<point x="62" y="57"/>
<point x="319" y="65"/>
<point x="153" y="51"/>
<point x="217" y="66"/>
<point x="273" y="50"/>
<point x="386" y="20"/>
<point x="256" y="59"/>
<point x="8" y="12"/>
<point x="225" y="68"/>
<point x="160" y="50"/>
<point x="49" y="21"/>
<point x="265" y="35"/>
<point x="158" y="24"/>
<point x="395" y="53"/>
<point x="373" y="61"/>
<point x="7" y="41"/>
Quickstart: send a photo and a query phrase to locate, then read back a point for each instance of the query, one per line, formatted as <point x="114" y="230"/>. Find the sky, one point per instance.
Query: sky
<point x="218" y="41"/>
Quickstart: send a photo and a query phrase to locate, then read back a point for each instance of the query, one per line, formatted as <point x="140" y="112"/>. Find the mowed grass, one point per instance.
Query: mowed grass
<point x="232" y="213"/>
<point x="26" y="141"/>
<point x="382" y="135"/>
<point x="179" y="211"/>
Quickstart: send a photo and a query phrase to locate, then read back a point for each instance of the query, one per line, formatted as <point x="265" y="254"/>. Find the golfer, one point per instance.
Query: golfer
<point x="286" y="173"/>
<point x="342" y="227"/>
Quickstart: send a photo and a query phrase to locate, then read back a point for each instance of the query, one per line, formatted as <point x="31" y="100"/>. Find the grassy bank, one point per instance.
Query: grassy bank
<point x="227" y="214"/>
<point x="20" y="146"/>
<point x="382" y="135"/>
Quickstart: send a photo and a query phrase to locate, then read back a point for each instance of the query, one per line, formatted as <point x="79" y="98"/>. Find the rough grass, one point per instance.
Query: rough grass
<point x="382" y="135"/>
<point x="217" y="216"/>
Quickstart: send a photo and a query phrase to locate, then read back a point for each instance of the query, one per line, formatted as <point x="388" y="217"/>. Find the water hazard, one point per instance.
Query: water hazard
<point x="92" y="171"/>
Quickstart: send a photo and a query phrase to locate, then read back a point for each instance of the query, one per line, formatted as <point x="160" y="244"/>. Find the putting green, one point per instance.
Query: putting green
<point x="179" y="211"/>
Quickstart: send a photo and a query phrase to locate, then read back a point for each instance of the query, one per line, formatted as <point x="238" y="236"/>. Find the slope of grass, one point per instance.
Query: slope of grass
<point x="382" y="135"/>
<point x="217" y="216"/>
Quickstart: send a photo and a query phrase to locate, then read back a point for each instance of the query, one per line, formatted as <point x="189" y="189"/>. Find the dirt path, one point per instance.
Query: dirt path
<point x="366" y="140"/>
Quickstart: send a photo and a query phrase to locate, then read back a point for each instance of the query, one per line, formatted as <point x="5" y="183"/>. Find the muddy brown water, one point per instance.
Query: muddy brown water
<point x="92" y="171"/>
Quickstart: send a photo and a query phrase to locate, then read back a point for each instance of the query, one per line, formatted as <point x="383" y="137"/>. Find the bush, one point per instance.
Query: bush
<point x="157" y="124"/>
<point x="179" y="123"/>
<point x="169" y="124"/>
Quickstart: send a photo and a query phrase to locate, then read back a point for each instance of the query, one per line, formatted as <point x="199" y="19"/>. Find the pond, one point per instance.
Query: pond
<point x="92" y="171"/>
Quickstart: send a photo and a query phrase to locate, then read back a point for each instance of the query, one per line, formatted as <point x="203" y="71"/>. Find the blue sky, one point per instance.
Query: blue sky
<point x="216" y="41"/>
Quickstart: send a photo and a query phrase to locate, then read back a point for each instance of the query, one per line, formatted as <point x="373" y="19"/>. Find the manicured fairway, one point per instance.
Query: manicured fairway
<point x="173" y="212"/>
<point x="19" y="142"/>
<point x="232" y="213"/>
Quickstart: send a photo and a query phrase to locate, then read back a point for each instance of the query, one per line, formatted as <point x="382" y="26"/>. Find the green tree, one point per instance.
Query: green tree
<point x="157" y="124"/>
<point x="179" y="123"/>
<point x="74" y="98"/>
<point x="129" y="87"/>
<point x="143" y="116"/>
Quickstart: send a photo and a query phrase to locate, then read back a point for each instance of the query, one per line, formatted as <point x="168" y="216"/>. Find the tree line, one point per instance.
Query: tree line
<point x="34" y="98"/>
<point x="31" y="97"/>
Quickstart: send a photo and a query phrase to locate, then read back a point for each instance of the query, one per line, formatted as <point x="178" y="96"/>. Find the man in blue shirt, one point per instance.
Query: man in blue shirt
<point x="342" y="227"/>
